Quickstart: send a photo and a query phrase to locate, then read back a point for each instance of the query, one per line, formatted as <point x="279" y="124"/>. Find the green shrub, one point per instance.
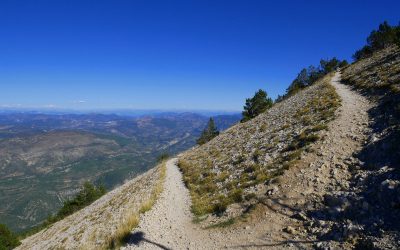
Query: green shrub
<point x="250" y="196"/>
<point x="220" y="207"/>
<point x="250" y="169"/>
<point x="236" y="195"/>
<point x="222" y="224"/>
<point x="319" y="127"/>
<point x="256" y="155"/>
<point x="85" y="197"/>
<point x="8" y="240"/>
<point x="162" y="157"/>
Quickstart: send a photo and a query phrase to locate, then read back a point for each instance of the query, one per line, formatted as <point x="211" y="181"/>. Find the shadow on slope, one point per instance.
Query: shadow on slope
<point x="370" y="207"/>
<point x="139" y="237"/>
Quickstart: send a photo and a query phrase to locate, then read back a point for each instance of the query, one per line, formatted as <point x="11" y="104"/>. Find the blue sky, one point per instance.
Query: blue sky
<point x="170" y="54"/>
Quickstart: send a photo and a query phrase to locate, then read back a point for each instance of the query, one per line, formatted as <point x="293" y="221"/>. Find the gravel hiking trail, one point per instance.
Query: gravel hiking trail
<point x="168" y="225"/>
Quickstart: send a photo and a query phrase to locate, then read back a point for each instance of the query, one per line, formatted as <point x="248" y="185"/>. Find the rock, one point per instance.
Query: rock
<point x="272" y="191"/>
<point x="319" y="245"/>
<point x="300" y="216"/>
<point x="390" y="184"/>
<point x="354" y="167"/>
<point x="289" y="230"/>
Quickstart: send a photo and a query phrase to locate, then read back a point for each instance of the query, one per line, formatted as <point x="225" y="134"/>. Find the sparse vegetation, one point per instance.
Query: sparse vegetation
<point x="88" y="194"/>
<point x="85" y="197"/>
<point x="225" y="223"/>
<point x="378" y="76"/>
<point x="163" y="157"/>
<point x="8" y="240"/>
<point x="132" y="219"/>
<point x="123" y="232"/>
<point x="225" y="171"/>
<point x="309" y="76"/>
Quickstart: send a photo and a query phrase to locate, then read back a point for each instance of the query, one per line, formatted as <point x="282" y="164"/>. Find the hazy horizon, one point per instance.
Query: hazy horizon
<point x="116" y="111"/>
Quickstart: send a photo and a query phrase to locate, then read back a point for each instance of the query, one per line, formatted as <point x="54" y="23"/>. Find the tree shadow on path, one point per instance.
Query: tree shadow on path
<point x="138" y="237"/>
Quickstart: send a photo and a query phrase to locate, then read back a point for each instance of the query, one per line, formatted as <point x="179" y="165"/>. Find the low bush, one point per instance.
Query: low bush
<point x="8" y="240"/>
<point x="220" y="207"/>
<point x="88" y="194"/>
<point x="85" y="197"/>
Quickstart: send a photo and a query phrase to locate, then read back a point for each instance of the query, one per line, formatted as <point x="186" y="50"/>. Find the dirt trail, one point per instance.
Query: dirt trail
<point x="168" y="225"/>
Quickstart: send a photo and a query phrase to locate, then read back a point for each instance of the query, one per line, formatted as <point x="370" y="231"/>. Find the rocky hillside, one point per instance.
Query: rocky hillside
<point x="374" y="192"/>
<point x="378" y="77"/>
<point x="234" y="167"/>
<point x="327" y="189"/>
<point x="107" y="221"/>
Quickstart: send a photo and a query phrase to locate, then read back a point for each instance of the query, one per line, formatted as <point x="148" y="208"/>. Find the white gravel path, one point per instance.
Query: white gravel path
<point x="168" y="225"/>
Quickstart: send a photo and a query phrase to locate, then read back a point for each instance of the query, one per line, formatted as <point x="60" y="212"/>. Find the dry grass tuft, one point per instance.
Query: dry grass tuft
<point x="131" y="220"/>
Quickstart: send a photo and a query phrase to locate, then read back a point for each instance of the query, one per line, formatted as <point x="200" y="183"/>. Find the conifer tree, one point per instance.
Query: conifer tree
<point x="208" y="133"/>
<point x="256" y="105"/>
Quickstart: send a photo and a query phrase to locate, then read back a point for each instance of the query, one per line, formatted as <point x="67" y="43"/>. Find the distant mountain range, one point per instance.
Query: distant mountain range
<point x="44" y="158"/>
<point x="119" y="112"/>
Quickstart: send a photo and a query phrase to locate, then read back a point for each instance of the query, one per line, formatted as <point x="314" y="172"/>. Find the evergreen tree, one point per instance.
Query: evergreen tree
<point x="308" y="76"/>
<point x="343" y="63"/>
<point x="208" y="133"/>
<point x="256" y="105"/>
<point x="329" y="65"/>
<point x="384" y="37"/>
<point x="279" y="98"/>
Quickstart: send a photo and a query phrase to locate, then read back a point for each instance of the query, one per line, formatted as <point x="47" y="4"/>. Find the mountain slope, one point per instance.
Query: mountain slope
<point x="103" y="223"/>
<point x="283" y="213"/>
<point x="340" y="192"/>
<point x="81" y="226"/>
<point x="305" y="174"/>
<point x="233" y="167"/>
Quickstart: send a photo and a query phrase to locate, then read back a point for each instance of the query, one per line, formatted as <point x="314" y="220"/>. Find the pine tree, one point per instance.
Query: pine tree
<point x="208" y="133"/>
<point x="385" y="36"/>
<point x="256" y="105"/>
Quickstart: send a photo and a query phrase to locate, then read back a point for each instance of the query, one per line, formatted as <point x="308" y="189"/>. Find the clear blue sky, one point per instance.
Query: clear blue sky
<point x="170" y="54"/>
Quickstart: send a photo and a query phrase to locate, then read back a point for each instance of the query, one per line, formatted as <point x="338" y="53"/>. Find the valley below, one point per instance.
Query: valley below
<point x="45" y="159"/>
